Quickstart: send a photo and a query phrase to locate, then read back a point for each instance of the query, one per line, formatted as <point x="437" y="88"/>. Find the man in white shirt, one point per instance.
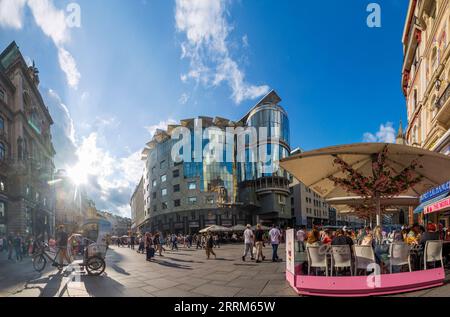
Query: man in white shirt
<point x="275" y="236"/>
<point x="248" y="241"/>
<point x="301" y="236"/>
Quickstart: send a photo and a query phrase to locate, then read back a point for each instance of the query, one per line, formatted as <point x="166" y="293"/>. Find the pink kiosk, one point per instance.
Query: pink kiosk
<point x="353" y="286"/>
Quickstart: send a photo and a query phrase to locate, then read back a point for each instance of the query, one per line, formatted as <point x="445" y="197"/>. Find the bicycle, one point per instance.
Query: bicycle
<point x="93" y="258"/>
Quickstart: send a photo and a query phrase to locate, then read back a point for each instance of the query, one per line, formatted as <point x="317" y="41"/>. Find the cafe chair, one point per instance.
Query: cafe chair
<point x="433" y="253"/>
<point x="317" y="258"/>
<point x="399" y="255"/>
<point x="341" y="257"/>
<point x="364" y="256"/>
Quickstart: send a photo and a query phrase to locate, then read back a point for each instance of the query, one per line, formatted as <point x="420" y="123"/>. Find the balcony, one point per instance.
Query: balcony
<point x="274" y="184"/>
<point x="443" y="106"/>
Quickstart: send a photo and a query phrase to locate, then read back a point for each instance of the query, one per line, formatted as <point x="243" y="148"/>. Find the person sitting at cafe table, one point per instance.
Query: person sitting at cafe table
<point x="430" y="235"/>
<point x="327" y="237"/>
<point x="313" y="239"/>
<point x="341" y="238"/>
<point x="413" y="235"/>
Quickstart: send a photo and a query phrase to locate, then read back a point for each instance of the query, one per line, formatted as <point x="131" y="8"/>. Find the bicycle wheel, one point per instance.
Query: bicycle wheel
<point x="95" y="265"/>
<point x="39" y="262"/>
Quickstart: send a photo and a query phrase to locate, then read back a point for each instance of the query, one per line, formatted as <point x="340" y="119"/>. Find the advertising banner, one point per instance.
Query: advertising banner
<point x="290" y="251"/>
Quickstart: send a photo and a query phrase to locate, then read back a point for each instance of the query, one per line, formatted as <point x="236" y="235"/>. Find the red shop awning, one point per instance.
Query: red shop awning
<point x="438" y="206"/>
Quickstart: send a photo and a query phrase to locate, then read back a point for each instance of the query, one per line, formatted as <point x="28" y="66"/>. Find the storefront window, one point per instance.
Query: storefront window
<point x="2" y="152"/>
<point x="2" y="209"/>
<point x="2" y="125"/>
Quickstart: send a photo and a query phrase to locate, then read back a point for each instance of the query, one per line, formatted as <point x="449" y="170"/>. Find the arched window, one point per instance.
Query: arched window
<point x="2" y="125"/>
<point x="2" y="152"/>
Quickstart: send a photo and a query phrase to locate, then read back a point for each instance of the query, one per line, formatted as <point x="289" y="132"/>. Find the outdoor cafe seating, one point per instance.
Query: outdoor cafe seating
<point x="329" y="260"/>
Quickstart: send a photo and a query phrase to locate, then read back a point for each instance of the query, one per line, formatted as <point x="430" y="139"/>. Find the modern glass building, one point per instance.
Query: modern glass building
<point x="190" y="194"/>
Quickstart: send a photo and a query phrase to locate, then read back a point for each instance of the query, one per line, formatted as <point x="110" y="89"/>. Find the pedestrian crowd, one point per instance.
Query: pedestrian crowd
<point x="16" y="246"/>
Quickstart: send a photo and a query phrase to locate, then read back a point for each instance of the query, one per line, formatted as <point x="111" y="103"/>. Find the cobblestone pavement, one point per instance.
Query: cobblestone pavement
<point x="184" y="273"/>
<point x="181" y="273"/>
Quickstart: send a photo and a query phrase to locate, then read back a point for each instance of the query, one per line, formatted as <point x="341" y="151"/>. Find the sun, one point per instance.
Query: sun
<point x="78" y="174"/>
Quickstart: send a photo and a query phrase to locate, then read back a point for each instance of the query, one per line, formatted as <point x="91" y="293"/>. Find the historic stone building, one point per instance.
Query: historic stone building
<point x="426" y="77"/>
<point x="137" y="206"/>
<point x="426" y="74"/>
<point x="27" y="201"/>
<point x="187" y="196"/>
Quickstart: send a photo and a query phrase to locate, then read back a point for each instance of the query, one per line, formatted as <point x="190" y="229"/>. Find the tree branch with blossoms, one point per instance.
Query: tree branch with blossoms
<point x="382" y="183"/>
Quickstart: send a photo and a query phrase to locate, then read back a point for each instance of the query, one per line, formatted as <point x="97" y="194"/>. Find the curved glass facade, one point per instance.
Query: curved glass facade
<point x="275" y="119"/>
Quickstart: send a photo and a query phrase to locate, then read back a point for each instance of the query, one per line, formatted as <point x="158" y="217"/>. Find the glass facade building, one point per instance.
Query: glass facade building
<point x="187" y="196"/>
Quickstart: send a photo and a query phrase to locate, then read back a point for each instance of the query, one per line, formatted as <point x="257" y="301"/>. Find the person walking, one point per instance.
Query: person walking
<point x="150" y="251"/>
<point x="157" y="244"/>
<point x="198" y="239"/>
<point x="275" y="236"/>
<point x="259" y="242"/>
<point x="301" y="236"/>
<point x="18" y="247"/>
<point x="174" y="242"/>
<point x="9" y="244"/>
<point x="248" y="242"/>
<point x="216" y="241"/>
<point x="61" y="241"/>
<point x="132" y="241"/>
<point x="210" y="246"/>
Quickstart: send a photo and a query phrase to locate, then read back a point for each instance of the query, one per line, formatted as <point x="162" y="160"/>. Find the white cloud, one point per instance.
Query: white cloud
<point x="11" y="13"/>
<point x="184" y="98"/>
<point x="386" y="134"/>
<point x="69" y="129"/>
<point x="52" y="22"/>
<point x="162" y="125"/>
<point x="207" y="30"/>
<point x="69" y="67"/>
<point x="245" y="41"/>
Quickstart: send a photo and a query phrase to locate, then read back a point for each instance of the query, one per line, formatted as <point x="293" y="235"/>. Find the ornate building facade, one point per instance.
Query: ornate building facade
<point x="426" y="74"/>
<point x="27" y="198"/>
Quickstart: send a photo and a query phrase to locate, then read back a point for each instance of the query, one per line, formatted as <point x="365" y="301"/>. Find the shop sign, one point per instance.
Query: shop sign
<point x="227" y="222"/>
<point x="435" y="192"/>
<point x="194" y="224"/>
<point x="440" y="205"/>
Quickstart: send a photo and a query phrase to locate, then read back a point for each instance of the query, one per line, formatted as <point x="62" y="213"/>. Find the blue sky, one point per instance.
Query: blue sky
<point x="134" y="65"/>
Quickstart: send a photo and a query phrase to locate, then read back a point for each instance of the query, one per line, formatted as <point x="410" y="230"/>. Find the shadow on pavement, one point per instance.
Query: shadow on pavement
<point x="52" y="284"/>
<point x="185" y="261"/>
<point x="173" y="265"/>
<point x="118" y="269"/>
<point x="102" y="286"/>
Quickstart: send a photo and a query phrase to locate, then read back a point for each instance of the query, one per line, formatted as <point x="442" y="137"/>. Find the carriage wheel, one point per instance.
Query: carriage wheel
<point x="39" y="263"/>
<point x="95" y="265"/>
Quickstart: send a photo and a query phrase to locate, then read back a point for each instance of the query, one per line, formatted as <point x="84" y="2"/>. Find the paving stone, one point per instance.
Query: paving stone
<point x="161" y="283"/>
<point x="216" y="290"/>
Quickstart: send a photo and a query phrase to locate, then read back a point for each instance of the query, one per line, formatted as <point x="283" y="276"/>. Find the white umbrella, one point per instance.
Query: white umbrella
<point x="265" y="228"/>
<point x="238" y="228"/>
<point x="214" y="228"/>
<point x="323" y="170"/>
